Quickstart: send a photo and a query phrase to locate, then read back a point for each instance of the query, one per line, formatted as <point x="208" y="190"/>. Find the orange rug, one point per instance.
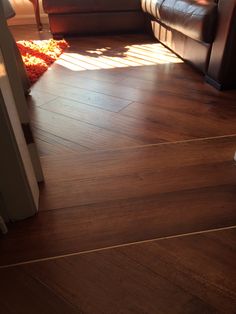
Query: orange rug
<point x="38" y="55"/>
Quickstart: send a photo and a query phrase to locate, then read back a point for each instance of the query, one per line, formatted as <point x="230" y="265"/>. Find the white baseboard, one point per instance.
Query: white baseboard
<point x="27" y="19"/>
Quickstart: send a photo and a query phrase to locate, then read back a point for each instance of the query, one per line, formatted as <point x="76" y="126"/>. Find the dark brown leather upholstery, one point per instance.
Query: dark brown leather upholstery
<point x="68" y="17"/>
<point x="96" y="23"/>
<point x="195" y="52"/>
<point x="195" y="19"/>
<point x="209" y="44"/>
<point x="85" y="6"/>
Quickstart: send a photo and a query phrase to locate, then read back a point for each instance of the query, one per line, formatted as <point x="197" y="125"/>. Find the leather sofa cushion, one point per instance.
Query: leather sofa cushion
<point x="90" y="6"/>
<point x="193" y="18"/>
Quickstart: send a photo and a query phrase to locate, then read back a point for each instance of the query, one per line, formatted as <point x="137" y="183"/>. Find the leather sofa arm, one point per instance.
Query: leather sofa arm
<point x="222" y="63"/>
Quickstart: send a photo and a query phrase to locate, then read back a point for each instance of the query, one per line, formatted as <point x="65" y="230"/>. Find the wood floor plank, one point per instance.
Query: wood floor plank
<point x="99" y="100"/>
<point x="89" y="84"/>
<point x="78" y="229"/>
<point x="46" y="147"/>
<point x="81" y="133"/>
<point x="92" y="115"/>
<point x="197" y="273"/>
<point x="126" y="196"/>
<point x="147" y="103"/>
<point x="153" y="123"/>
<point x="95" y="190"/>
<point x="142" y="159"/>
<point x="26" y="32"/>
<point x="21" y="293"/>
<point x="133" y="89"/>
<point x="206" y="123"/>
<point x="143" y="130"/>
<point x="37" y="98"/>
<point x="202" y="264"/>
<point x="142" y="172"/>
<point x="136" y="87"/>
<point x="49" y="143"/>
<point x="189" y="109"/>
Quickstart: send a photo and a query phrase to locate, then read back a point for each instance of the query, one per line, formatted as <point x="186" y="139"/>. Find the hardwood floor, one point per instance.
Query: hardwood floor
<point x="108" y="198"/>
<point x="135" y="148"/>
<point x="121" y="91"/>
<point x="134" y="105"/>
<point x="190" y="274"/>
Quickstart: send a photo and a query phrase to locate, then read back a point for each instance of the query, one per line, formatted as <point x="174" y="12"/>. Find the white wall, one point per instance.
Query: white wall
<point x="25" y="13"/>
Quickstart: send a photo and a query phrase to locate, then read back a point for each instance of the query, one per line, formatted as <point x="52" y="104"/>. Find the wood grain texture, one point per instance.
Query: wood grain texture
<point x="80" y="133"/>
<point x="26" y="32"/>
<point x="197" y="273"/>
<point x="23" y="294"/>
<point x="114" y="122"/>
<point x="138" y="172"/>
<point x="121" y="91"/>
<point x="51" y="144"/>
<point x="106" y="118"/>
<point x="124" y="196"/>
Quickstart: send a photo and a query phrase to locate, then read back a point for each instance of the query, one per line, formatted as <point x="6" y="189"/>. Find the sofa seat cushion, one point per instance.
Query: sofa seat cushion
<point x="90" y="6"/>
<point x="193" y="18"/>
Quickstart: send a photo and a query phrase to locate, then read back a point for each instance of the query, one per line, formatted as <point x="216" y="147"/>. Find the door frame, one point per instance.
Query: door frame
<point x="20" y="168"/>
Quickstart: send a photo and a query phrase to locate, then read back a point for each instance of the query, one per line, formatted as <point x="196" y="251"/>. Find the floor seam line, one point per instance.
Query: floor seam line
<point x="116" y="246"/>
<point x="159" y="144"/>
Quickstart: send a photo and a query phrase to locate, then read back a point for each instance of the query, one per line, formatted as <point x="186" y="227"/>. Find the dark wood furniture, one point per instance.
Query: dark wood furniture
<point x="37" y="14"/>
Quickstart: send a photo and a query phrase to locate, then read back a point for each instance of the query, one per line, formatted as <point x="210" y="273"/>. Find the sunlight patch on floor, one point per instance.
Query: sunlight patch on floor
<point x="128" y="56"/>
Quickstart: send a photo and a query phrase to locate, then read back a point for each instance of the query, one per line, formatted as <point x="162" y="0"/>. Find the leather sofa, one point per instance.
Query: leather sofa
<point x="93" y="16"/>
<point x="202" y="32"/>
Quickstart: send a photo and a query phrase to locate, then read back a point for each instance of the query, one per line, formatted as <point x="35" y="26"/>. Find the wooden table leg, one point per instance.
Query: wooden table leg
<point x="37" y="14"/>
